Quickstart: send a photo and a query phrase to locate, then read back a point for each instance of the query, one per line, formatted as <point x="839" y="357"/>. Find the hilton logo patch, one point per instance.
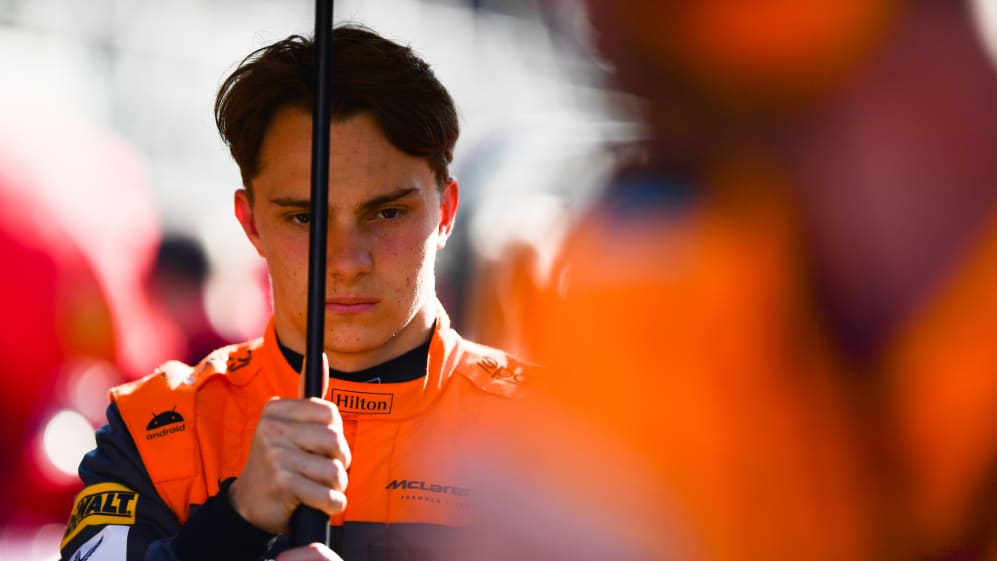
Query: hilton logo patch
<point x="167" y="422"/>
<point x="363" y="402"/>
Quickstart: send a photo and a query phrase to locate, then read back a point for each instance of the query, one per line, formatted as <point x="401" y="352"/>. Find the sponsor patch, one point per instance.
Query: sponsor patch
<point x="101" y="504"/>
<point x="237" y="361"/>
<point x="453" y="498"/>
<point x="420" y="485"/>
<point x="170" y="417"/>
<point x="503" y="373"/>
<point x="110" y="544"/>
<point x="162" y="424"/>
<point x="363" y="402"/>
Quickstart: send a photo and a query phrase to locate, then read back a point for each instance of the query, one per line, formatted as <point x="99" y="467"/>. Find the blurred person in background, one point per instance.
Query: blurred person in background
<point x="209" y="461"/>
<point x="177" y="283"/>
<point x="772" y="338"/>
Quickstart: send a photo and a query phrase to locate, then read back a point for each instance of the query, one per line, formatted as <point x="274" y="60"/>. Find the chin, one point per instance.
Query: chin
<point x="347" y="341"/>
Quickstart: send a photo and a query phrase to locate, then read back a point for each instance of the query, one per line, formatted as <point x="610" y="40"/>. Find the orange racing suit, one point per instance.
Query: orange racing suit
<point x="179" y="435"/>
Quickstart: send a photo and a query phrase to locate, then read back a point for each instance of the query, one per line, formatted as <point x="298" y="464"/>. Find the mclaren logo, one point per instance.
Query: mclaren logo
<point x="104" y="503"/>
<point x="419" y="485"/>
<point x="363" y="402"/>
<point x="162" y="424"/>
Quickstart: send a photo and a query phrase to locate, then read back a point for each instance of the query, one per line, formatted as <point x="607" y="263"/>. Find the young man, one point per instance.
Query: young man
<point x="209" y="462"/>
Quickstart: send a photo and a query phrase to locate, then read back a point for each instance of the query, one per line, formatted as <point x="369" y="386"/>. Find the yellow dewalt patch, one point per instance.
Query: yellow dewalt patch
<point x="101" y="504"/>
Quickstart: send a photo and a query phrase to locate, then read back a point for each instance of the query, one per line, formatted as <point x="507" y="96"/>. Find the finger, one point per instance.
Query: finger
<point x="325" y="376"/>
<point x="330" y="473"/>
<point x="315" y="495"/>
<point x="320" y="440"/>
<point x="311" y="552"/>
<point x="312" y="410"/>
<point x="323" y="441"/>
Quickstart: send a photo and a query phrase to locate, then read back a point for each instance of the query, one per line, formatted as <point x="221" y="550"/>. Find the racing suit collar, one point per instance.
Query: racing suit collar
<point x="374" y="401"/>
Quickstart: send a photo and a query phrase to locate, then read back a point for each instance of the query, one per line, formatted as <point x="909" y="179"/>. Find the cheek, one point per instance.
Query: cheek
<point x="411" y="265"/>
<point x="287" y="261"/>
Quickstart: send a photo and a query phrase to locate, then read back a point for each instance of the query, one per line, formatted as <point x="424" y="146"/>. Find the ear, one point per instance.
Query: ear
<point x="449" y="200"/>
<point x="244" y="214"/>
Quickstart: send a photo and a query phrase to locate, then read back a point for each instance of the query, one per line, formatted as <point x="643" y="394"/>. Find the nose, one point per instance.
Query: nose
<point x="348" y="252"/>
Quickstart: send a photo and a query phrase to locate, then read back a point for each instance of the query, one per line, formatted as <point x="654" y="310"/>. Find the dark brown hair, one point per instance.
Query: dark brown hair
<point x="369" y="74"/>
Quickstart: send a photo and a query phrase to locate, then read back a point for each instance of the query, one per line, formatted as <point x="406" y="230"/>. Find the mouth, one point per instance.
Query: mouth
<point x="348" y="305"/>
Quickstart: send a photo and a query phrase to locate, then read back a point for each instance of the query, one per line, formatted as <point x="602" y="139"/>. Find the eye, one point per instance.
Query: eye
<point x="301" y="218"/>
<point x="390" y="213"/>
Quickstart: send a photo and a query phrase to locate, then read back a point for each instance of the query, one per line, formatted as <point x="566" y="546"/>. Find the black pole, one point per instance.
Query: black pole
<point x="308" y="524"/>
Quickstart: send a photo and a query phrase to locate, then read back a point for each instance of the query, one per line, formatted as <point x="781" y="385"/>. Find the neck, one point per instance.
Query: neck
<point x="355" y="347"/>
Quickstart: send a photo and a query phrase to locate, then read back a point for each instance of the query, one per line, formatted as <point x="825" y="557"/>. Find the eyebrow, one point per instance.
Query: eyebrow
<point x="289" y="202"/>
<point x="388" y="198"/>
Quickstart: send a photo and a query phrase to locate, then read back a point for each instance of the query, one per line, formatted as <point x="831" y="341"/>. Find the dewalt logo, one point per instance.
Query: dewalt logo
<point x="97" y="505"/>
<point x="363" y="402"/>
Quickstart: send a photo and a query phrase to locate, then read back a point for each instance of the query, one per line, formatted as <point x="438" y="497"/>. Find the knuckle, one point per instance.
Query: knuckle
<point x="274" y="403"/>
<point x="269" y="427"/>
<point x="283" y="479"/>
<point x="274" y="455"/>
<point x="336" y="500"/>
<point x="333" y="440"/>
<point x="340" y="478"/>
<point x="327" y="410"/>
<point x="345" y="455"/>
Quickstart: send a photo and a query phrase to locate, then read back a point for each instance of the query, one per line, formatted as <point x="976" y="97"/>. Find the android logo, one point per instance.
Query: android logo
<point x="165" y="418"/>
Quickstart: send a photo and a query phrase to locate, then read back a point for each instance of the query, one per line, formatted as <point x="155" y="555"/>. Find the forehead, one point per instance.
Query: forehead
<point x="361" y="159"/>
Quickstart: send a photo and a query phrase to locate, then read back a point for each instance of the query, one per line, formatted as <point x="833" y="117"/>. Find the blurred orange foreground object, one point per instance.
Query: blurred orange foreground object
<point x="695" y="408"/>
<point x="757" y="53"/>
<point x="688" y="345"/>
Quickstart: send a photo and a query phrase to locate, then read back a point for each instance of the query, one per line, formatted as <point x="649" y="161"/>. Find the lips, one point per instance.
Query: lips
<point x="350" y="304"/>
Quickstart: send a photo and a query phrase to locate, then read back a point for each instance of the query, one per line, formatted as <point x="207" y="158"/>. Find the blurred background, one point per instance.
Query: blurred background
<point x="117" y="240"/>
